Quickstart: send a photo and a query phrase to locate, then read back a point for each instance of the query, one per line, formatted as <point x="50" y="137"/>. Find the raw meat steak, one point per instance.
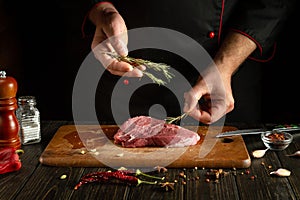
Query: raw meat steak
<point x="142" y="131"/>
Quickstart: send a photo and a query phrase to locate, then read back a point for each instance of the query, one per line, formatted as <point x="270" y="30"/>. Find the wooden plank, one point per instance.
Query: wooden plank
<point x="105" y="191"/>
<point x="18" y="179"/>
<point x="36" y="181"/>
<point x="263" y="186"/>
<point x="292" y="163"/>
<point x="67" y="148"/>
<point x="45" y="183"/>
<point x="224" y="188"/>
<point x="155" y="192"/>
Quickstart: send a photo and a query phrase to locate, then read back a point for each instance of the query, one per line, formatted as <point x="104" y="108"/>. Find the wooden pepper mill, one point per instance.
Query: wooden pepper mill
<point x="9" y="126"/>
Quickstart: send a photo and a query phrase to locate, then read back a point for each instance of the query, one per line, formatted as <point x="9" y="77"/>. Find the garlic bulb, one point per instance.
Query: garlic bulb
<point x="281" y="172"/>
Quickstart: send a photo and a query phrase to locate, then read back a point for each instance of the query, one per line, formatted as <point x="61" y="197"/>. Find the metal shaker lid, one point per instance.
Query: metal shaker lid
<point x="30" y="100"/>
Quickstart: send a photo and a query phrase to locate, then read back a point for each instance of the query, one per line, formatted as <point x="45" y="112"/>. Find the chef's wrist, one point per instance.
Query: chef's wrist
<point x="225" y="69"/>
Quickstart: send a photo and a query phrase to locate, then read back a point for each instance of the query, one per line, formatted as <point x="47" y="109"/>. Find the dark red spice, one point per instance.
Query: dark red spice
<point x="214" y="175"/>
<point x="9" y="159"/>
<point x="121" y="175"/>
<point x="274" y="136"/>
<point x="168" y="186"/>
<point x="107" y="176"/>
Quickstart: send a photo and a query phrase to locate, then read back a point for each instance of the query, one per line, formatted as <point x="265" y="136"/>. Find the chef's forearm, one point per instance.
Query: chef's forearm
<point x="233" y="52"/>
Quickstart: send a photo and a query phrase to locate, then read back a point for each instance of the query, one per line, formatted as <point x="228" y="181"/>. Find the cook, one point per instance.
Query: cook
<point x="239" y="36"/>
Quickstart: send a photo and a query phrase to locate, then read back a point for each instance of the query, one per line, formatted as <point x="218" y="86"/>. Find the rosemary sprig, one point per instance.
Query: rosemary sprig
<point x="154" y="79"/>
<point x="160" y="67"/>
<point x="170" y="120"/>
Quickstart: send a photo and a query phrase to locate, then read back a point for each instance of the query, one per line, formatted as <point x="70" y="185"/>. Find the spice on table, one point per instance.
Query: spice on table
<point x="182" y="175"/>
<point x="107" y="176"/>
<point x="247" y="171"/>
<point x="62" y="177"/>
<point x="214" y="175"/>
<point x="275" y="136"/>
<point x="168" y="185"/>
<point x="9" y="159"/>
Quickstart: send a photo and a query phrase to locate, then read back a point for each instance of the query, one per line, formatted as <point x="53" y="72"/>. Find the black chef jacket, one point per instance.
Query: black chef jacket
<point x="207" y="22"/>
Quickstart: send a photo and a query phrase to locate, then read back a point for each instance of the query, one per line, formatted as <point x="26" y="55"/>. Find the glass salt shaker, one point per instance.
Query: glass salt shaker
<point x="29" y="120"/>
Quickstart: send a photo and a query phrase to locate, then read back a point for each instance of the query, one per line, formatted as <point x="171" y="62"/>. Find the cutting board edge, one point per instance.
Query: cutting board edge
<point x="242" y="165"/>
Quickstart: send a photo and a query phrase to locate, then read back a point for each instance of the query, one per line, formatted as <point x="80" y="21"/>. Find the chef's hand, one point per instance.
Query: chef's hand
<point x="213" y="88"/>
<point x="211" y="98"/>
<point x="111" y="36"/>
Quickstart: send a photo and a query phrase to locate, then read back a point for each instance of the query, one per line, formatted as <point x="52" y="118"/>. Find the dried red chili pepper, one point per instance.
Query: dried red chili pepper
<point x="10" y="160"/>
<point x="124" y="176"/>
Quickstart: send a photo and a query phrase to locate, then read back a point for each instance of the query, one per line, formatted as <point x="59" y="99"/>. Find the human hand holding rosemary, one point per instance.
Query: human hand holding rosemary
<point x="159" y="67"/>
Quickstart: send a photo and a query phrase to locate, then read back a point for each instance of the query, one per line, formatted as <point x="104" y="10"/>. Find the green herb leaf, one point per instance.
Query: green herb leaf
<point x="170" y="120"/>
<point x="159" y="67"/>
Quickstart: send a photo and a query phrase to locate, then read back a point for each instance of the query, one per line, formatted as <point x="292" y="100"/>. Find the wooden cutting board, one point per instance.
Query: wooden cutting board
<point x="92" y="146"/>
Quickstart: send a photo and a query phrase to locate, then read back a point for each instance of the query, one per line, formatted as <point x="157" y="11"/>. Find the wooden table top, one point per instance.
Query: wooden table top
<point x="37" y="181"/>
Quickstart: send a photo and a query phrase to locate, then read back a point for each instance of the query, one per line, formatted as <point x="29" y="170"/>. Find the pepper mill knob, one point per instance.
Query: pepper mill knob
<point x="9" y="126"/>
<point x="8" y="86"/>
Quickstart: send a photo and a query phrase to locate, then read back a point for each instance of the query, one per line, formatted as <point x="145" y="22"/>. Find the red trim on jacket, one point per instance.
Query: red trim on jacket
<point x="258" y="46"/>
<point x="245" y="34"/>
<point x="221" y="21"/>
<point x="86" y="17"/>
<point x="268" y="59"/>
<point x="83" y="24"/>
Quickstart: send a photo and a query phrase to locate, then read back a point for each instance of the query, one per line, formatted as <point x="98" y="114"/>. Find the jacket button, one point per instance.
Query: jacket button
<point x="211" y="35"/>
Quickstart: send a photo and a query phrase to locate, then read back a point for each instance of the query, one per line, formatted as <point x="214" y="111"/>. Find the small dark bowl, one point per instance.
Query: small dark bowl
<point x="276" y="140"/>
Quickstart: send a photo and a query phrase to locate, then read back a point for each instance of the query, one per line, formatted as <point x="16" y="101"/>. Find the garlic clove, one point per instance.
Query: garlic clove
<point x="281" y="172"/>
<point x="259" y="153"/>
<point x="297" y="153"/>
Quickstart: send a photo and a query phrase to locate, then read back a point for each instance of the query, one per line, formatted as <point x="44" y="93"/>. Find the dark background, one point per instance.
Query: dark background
<point x="43" y="47"/>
